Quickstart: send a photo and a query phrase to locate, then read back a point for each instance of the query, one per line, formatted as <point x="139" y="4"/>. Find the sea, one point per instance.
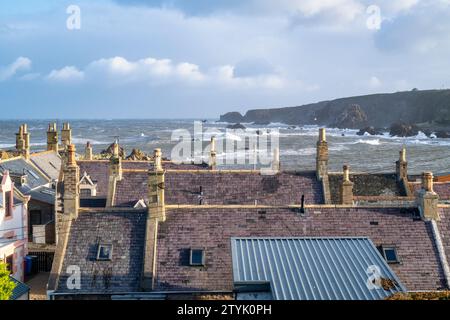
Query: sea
<point x="372" y="154"/>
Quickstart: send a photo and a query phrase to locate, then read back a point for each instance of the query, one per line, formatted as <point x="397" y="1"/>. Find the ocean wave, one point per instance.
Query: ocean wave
<point x="78" y="140"/>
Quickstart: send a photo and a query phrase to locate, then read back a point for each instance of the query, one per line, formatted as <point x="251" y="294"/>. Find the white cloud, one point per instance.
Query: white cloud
<point x="151" y="71"/>
<point x="9" y="71"/>
<point x="66" y="74"/>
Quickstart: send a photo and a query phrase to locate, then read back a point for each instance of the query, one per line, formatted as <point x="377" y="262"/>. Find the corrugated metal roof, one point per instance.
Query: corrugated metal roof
<point x="312" y="268"/>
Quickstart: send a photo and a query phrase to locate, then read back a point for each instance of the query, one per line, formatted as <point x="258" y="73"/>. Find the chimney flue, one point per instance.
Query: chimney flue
<point x="322" y="155"/>
<point x="158" y="160"/>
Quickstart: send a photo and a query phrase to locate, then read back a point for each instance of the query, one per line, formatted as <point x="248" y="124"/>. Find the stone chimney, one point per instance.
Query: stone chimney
<point x="156" y="215"/>
<point x="23" y="141"/>
<point x="115" y="174"/>
<point x="156" y="188"/>
<point x="428" y="199"/>
<point x="276" y="160"/>
<point x="322" y="155"/>
<point x="66" y="135"/>
<point x="88" y="155"/>
<point x="346" y="187"/>
<point x="52" y="138"/>
<point x="213" y="154"/>
<point x="71" y="184"/>
<point x="402" y="166"/>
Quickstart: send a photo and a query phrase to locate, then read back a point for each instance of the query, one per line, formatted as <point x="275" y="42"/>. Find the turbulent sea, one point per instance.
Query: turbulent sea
<point x="297" y="145"/>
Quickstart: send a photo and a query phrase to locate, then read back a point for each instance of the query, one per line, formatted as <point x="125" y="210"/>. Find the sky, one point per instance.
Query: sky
<point x="202" y="58"/>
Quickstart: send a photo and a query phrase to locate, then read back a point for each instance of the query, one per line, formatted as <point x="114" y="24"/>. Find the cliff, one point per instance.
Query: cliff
<point x="429" y="109"/>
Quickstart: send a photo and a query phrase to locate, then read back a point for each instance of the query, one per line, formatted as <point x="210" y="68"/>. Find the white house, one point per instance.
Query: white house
<point x="13" y="227"/>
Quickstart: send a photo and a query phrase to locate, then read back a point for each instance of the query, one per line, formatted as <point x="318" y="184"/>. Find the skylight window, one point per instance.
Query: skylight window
<point x="197" y="257"/>
<point x="390" y="254"/>
<point x="33" y="174"/>
<point x="104" y="252"/>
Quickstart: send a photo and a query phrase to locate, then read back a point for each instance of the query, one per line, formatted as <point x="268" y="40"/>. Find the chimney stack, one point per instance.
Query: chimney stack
<point x="156" y="188"/>
<point x="213" y="154"/>
<point x="322" y="155"/>
<point x="156" y="215"/>
<point x="158" y="160"/>
<point x="402" y="166"/>
<point x="71" y="184"/>
<point x="276" y="160"/>
<point x="66" y="135"/>
<point x="115" y="174"/>
<point x="346" y="187"/>
<point x="23" y="141"/>
<point x="88" y="155"/>
<point x="52" y="138"/>
<point x="428" y="199"/>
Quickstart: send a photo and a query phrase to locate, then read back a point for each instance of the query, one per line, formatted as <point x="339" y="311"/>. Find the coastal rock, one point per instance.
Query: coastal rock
<point x="370" y="130"/>
<point x="138" y="155"/>
<point x="236" y="126"/>
<point x="442" y="134"/>
<point x="107" y="153"/>
<point x="353" y="117"/>
<point x="400" y="129"/>
<point x="232" y="117"/>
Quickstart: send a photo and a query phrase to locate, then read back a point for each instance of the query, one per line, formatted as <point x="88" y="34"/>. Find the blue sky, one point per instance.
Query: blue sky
<point x="200" y="59"/>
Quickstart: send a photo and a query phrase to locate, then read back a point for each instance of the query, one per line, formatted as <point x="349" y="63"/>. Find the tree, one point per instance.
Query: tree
<point x="6" y="284"/>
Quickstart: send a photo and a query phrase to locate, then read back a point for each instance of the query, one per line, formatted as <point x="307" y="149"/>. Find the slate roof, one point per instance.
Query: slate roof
<point x="20" y="166"/>
<point x="126" y="232"/>
<point x="19" y="290"/>
<point x="48" y="162"/>
<point x="366" y="185"/>
<point x="442" y="189"/>
<point x="224" y="188"/>
<point x="213" y="228"/>
<point x="98" y="171"/>
<point x="312" y="268"/>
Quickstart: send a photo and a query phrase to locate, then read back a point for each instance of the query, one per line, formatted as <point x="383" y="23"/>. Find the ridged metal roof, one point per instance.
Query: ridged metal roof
<point x="313" y="268"/>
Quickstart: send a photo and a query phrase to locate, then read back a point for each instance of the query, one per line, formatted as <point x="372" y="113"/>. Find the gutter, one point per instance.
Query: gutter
<point x="441" y="252"/>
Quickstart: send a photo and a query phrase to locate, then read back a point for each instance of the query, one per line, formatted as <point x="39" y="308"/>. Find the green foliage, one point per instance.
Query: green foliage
<point x="6" y="284"/>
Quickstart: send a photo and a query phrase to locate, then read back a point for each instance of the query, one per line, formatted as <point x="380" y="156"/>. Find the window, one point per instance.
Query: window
<point x="389" y="254"/>
<point x="8" y="204"/>
<point x="85" y="193"/>
<point x="104" y="252"/>
<point x="9" y="263"/>
<point x="197" y="257"/>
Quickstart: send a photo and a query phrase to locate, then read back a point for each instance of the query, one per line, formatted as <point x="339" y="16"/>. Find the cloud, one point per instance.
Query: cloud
<point x="9" y="71"/>
<point x="154" y="72"/>
<point x="66" y="74"/>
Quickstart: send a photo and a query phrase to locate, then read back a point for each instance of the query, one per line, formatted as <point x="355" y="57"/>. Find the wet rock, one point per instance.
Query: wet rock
<point x="442" y="134"/>
<point x="232" y="117"/>
<point x="108" y="152"/>
<point x="400" y="129"/>
<point x="370" y="130"/>
<point x="236" y="126"/>
<point x="353" y="117"/>
<point x="138" y="155"/>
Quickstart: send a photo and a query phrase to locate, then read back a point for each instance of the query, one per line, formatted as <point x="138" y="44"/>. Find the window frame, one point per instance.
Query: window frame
<point x="191" y="254"/>
<point x="99" y="248"/>
<point x="8" y="204"/>
<point x="385" y="248"/>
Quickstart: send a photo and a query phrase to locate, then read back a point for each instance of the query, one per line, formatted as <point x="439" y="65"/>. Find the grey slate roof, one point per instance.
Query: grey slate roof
<point x="20" y="289"/>
<point x="21" y="166"/>
<point x="312" y="268"/>
<point x="126" y="232"/>
<point x="43" y="194"/>
<point x="48" y="162"/>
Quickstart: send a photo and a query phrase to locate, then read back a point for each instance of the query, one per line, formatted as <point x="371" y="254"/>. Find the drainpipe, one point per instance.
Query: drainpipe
<point x="441" y="252"/>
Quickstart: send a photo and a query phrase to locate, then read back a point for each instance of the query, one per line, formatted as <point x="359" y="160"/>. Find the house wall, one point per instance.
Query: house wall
<point x="14" y="228"/>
